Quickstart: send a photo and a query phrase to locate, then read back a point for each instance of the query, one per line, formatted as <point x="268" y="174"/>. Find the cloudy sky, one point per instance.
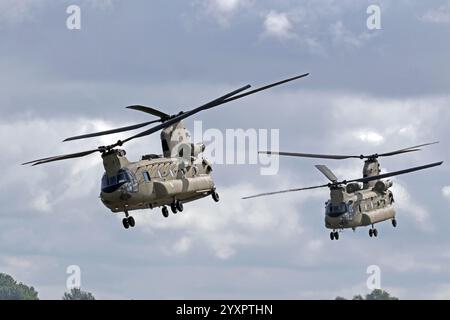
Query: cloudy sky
<point x="369" y="91"/>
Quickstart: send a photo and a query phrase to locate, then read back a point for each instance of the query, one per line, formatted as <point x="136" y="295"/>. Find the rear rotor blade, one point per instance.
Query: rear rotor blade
<point x="217" y="102"/>
<point x="184" y="115"/>
<point x="343" y="157"/>
<point x="266" y="87"/>
<point x="149" y="110"/>
<point x="62" y="157"/>
<point x="395" y="173"/>
<point x="310" y="155"/>
<point x="285" y="191"/>
<point x="410" y="149"/>
<point x="106" y="132"/>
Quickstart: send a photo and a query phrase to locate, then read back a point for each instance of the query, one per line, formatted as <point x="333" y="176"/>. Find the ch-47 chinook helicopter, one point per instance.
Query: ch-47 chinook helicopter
<point x="351" y="204"/>
<point x="177" y="176"/>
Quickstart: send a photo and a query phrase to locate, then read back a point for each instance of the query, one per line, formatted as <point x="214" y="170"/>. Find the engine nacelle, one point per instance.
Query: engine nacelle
<point x="196" y="149"/>
<point x="353" y="187"/>
<point x="382" y="186"/>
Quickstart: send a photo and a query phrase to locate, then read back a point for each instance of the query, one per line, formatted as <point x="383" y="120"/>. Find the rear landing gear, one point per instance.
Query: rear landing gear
<point x="165" y="212"/>
<point x="179" y="205"/>
<point x="176" y="206"/>
<point x="215" y="196"/>
<point x="394" y="223"/>
<point x="173" y="207"/>
<point x="334" y="235"/>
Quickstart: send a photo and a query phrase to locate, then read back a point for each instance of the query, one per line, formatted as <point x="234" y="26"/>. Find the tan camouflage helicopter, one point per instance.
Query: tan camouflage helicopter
<point x="356" y="205"/>
<point x="177" y="176"/>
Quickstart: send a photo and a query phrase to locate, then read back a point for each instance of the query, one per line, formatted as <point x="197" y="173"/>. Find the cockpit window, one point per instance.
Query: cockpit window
<point x="336" y="210"/>
<point x="123" y="177"/>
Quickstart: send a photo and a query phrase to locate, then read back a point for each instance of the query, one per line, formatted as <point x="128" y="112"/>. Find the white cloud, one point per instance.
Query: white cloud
<point x="278" y="25"/>
<point x="370" y="137"/>
<point x="14" y="12"/>
<point x="440" y="15"/>
<point x="233" y="223"/>
<point x="226" y="5"/>
<point x="223" y="10"/>
<point x="446" y="192"/>
<point x="411" y="208"/>
<point x="341" y="35"/>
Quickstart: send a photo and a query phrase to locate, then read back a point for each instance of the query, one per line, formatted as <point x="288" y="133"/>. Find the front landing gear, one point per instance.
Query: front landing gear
<point x="128" y="221"/>
<point x="373" y="232"/>
<point x="334" y="235"/>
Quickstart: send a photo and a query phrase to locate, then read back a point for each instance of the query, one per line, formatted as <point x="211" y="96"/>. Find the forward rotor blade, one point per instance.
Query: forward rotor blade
<point x="149" y="110"/>
<point x="410" y="149"/>
<point x="217" y="102"/>
<point x="327" y="172"/>
<point x="62" y="157"/>
<point x="395" y="173"/>
<point x="285" y="191"/>
<point x="106" y="132"/>
<point x="310" y="155"/>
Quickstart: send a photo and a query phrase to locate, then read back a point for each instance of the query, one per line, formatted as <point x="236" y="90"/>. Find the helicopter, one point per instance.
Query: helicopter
<point x="178" y="176"/>
<point x="357" y="202"/>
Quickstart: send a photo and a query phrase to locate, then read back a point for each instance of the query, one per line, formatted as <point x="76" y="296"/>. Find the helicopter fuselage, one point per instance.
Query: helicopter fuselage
<point x="154" y="181"/>
<point x="353" y="206"/>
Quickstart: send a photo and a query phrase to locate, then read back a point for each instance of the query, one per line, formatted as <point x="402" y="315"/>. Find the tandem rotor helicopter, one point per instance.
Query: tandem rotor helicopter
<point x="176" y="177"/>
<point x="352" y="205"/>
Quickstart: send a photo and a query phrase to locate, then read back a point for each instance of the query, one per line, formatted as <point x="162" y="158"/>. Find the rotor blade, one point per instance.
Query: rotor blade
<point x="149" y="110"/>
<point x="184" y="115"/>
<point x="62" y="157"/>
<point x="217" y="102"/>
<point x="395" y="173"/>
<point x="266" y="87"/>
<point x="285" y="191"/>
<point x="106" y="132"/>
<point x="410" y="149"/>
<point x="310" y="155"/>
<point x="326" y="172"/>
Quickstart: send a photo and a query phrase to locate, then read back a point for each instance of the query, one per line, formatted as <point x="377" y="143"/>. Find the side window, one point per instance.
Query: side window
<point x="146" y="176"/>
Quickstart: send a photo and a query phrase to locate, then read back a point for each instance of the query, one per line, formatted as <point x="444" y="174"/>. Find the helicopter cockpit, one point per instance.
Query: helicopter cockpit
<point x="338" y="210"/>
<point x="124" y="179"/>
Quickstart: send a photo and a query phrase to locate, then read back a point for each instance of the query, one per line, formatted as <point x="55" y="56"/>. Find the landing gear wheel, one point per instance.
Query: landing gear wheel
<point x="370" y="233"/>
<point x="179" y="205"/>
<point x="173" y="207"/>
<point x="215" y="196"/>
<point x="131" y="221"/>
<point x="375" y="232"/>
<point x="332" y="235"/>
<point x="394" y="223"/>
<point x="336" y="235"/>
<point x="165" y="212"/>
<point x="125" y="223"/>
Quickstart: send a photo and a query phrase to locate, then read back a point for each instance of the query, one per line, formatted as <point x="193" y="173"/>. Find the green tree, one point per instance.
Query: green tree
<point x="379" y="294"/>
<point x="11" y="290"/>
<point x="376" y="294"/>
<point x="78" y="294"/>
